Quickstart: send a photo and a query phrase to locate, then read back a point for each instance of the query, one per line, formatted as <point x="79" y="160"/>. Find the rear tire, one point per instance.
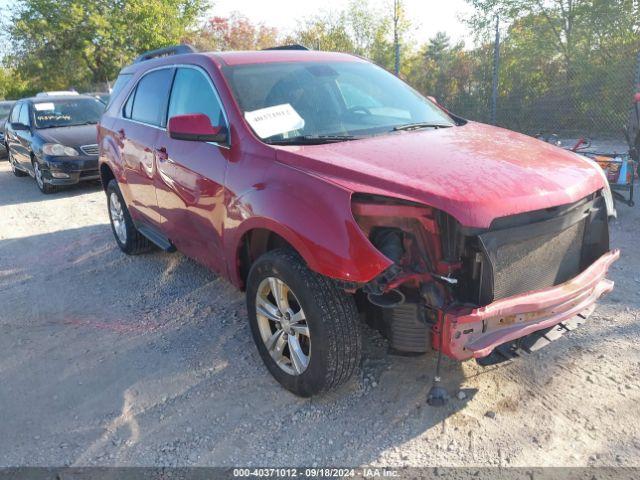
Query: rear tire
<point x="332" y="349"/>
<point x="127" y="236"/>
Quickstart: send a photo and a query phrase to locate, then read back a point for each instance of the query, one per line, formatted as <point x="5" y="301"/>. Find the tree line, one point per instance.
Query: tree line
<point x="572" y="53"/>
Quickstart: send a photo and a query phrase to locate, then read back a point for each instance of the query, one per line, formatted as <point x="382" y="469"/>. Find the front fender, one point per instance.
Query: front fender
<point x="313" y="216"/>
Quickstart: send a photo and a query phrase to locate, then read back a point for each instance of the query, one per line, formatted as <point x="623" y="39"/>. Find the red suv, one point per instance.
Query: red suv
<point x="330" y="191"/>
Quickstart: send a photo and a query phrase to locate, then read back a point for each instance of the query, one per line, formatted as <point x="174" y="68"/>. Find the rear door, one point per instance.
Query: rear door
<point x="144" y="118"/>
<point x="22" y="149"/>
<point x="190" y="181"/>
<point x="11" y="137"/>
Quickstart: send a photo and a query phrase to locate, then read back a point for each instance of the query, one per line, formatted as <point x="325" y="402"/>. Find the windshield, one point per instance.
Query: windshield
<point x="5" y="108"/>
<point x="67" y="112"/>
<point x="336" y="100"/>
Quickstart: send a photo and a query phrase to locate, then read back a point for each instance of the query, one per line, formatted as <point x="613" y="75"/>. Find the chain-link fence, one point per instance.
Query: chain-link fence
<point x="593" y="99"/>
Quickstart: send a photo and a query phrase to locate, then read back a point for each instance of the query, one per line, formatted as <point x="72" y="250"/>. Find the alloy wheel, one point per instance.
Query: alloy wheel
<point x="117" y="217"/>
<point x="283" y="326"/>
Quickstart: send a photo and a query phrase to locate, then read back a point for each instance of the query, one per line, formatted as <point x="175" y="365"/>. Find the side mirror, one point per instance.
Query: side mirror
<point x="19" y="126"/>
<point x="195" y="127"/>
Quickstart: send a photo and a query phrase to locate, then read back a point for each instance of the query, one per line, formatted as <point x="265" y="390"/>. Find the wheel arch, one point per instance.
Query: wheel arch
<point x="258" y="240"/>
<point x="109" y="162"/>
<point x="106" y="175"/>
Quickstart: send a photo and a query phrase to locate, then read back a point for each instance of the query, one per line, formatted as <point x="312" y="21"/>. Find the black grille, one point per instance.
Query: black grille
<point x="539" y="262"/>
<point x="90" y="149"/>
<point x="532" y="251"/>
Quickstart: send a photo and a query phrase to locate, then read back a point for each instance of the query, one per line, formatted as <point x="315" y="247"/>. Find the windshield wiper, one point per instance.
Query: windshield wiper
<point x="418" y="125"/>
<point x="72" y="125"/>
<point x="313" y="139"/>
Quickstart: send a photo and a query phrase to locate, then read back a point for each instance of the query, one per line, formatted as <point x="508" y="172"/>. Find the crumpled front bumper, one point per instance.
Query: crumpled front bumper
<point x="475" y="333"/>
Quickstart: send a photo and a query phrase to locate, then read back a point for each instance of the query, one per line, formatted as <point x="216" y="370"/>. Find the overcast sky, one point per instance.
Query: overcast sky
<point x="427" y="16"/>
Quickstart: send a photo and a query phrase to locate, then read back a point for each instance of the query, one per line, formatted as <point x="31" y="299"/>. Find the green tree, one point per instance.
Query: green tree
<point x="438" y="47"/>
<point x="326" y="31"/>
<point x="444" y="71"/>
<point x="572" y="28"/>
<point x="565" y="64"/>
<point x="12" y="86"/>
<point x="361" y="28"/>
<point x="80" y="43"/>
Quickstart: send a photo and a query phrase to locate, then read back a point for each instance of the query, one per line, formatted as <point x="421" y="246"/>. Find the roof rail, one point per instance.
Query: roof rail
<point x="294" y="46"/>
<point x="165" y="52"/>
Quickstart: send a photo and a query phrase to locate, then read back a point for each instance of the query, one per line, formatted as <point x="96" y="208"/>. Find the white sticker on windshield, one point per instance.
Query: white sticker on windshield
<point x="274" y="120"/>
<point x="43" y="107"/>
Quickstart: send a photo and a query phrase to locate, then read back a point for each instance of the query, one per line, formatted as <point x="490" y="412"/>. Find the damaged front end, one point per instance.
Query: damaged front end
<point x="467" y="291"/>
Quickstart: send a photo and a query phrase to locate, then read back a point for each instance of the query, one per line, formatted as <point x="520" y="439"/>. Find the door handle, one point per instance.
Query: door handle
<point x="162" y="155"/>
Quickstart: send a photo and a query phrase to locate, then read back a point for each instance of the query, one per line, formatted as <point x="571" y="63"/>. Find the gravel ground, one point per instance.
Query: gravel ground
<point x="115" y="360"/>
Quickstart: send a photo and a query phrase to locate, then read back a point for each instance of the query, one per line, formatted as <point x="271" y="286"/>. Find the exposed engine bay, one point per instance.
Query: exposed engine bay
<point x="442" y="270"/>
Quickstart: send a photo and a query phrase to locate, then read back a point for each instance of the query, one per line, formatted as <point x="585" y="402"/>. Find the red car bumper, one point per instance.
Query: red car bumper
<point x="475" y="333"/>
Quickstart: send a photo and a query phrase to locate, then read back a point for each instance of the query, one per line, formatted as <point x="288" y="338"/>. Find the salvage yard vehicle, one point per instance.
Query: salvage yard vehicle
<point x="5" y="110"/>
<point x="53" y="139"/>
<point x="329" y="190"/>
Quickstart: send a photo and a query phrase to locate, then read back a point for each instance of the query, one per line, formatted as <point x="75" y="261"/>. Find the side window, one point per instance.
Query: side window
<point x="24" y="114"/>
<point x="150" y="98"/>
<point x="15" y="113"/>
<point x="192" y="93"/>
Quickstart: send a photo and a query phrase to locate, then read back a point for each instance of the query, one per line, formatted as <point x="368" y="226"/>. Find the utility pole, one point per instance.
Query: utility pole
<point x="496" y="69"/>
<point x="396" y="39"/>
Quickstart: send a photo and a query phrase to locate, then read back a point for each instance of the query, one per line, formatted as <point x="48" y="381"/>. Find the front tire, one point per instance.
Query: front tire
<point x="127" y="236"/>
<point x="43" y="186"/>
<point x="305" y="327"/>
<point x="16" y="171"/>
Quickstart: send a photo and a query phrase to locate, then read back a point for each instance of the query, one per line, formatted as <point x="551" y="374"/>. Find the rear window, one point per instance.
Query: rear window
<point x="121" y="82"/>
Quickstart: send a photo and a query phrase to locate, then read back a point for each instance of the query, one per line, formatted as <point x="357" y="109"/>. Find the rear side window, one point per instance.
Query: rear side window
<point x="192" y="93"/>
<point x="151" y="96"/>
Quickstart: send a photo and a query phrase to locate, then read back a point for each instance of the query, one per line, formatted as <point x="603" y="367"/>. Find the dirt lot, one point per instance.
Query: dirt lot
<point x="114" y="360"/>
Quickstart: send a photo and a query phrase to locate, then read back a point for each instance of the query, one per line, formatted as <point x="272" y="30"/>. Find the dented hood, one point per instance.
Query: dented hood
<point x="474" y="172"/>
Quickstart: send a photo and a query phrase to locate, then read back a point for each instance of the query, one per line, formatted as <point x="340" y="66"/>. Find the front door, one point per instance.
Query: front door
<point x="144" y="120"/>
<point x="190" y="180"/>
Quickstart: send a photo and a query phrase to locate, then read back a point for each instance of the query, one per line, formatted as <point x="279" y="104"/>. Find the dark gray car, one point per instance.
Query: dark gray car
<point x="5" y="109"/>
<point x="54" y="139"/>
